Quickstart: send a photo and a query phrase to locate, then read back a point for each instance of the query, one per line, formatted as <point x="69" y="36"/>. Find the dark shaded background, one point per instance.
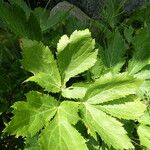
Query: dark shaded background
<point x="90" y="7"/>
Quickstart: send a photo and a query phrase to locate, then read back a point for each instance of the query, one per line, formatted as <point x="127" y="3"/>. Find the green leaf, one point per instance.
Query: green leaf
<point x="60" y="135"/>
<point x="76" y="20"/>
<point x="32" y="143"/>
<point x="141" y="15"/>
<point x="3" y="105"/>
<point x="55" y="18"/>
<point x="110" y="130"/>
<point x="113" y="54"/>
<point x="111" y="11"/>
<point x="49" y="20"/>
<point x="69" y="111"/>
<point x="23" y="5"/>
<point x="8" y="13"/>
<point x="74" y="92"/>
<point x="141" y="57"/>
<point x="145" y="118"/>
<point x="31" y="116"/>
<point x="16" y="20"/>
<point x="63" y="42"/>
<point x="98" y="69"/>
<point x="126" y="108"/>
<point x="109" y="88"/>
<point x="39" y="60"/>
<point x="143" y="132"/>
<point x="128" y="33"/>
<point x="144" y="91"/>
<point x="80" y="54"/>
<point x="33" y="28"/>
<point x="144" y="73"/>
<point x="42" y="15"/>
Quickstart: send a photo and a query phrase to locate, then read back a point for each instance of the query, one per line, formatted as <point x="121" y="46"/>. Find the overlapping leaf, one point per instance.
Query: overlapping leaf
<point x="109" y="88"/>
<point x="76" y="54"/>
<point x="39" y="60"/>
<point x="31" y="116"/>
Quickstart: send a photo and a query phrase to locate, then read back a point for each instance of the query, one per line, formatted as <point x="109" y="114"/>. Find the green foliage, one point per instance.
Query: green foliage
<point x="109" y="88"/>
<point x="81" y="93"/>
<point x="143" y="132"/>
<point x="128" y="33"/>
<point x="144" y="119"/>
<point x="140" y="59"/>
<point x="20" y="25"/>
<point x="59" y="134"/>
<point x="33" y="115"/>
<point x="79" y="52"/>
<point x="112" y="11"/>
<point x="74" y="92"/>
<point x="114" y="51"/>
<point x="43" y="66"/>
<point x="125" y="108"/>
<point x="141" y="15"/>
<point x="23" y="5"/>
<point x="110" y="130"/>
<point x="98" y="104"/>
<point x="49" y="20"/>
<point x="32" y="143"/>
<point x="10" y="70"/>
